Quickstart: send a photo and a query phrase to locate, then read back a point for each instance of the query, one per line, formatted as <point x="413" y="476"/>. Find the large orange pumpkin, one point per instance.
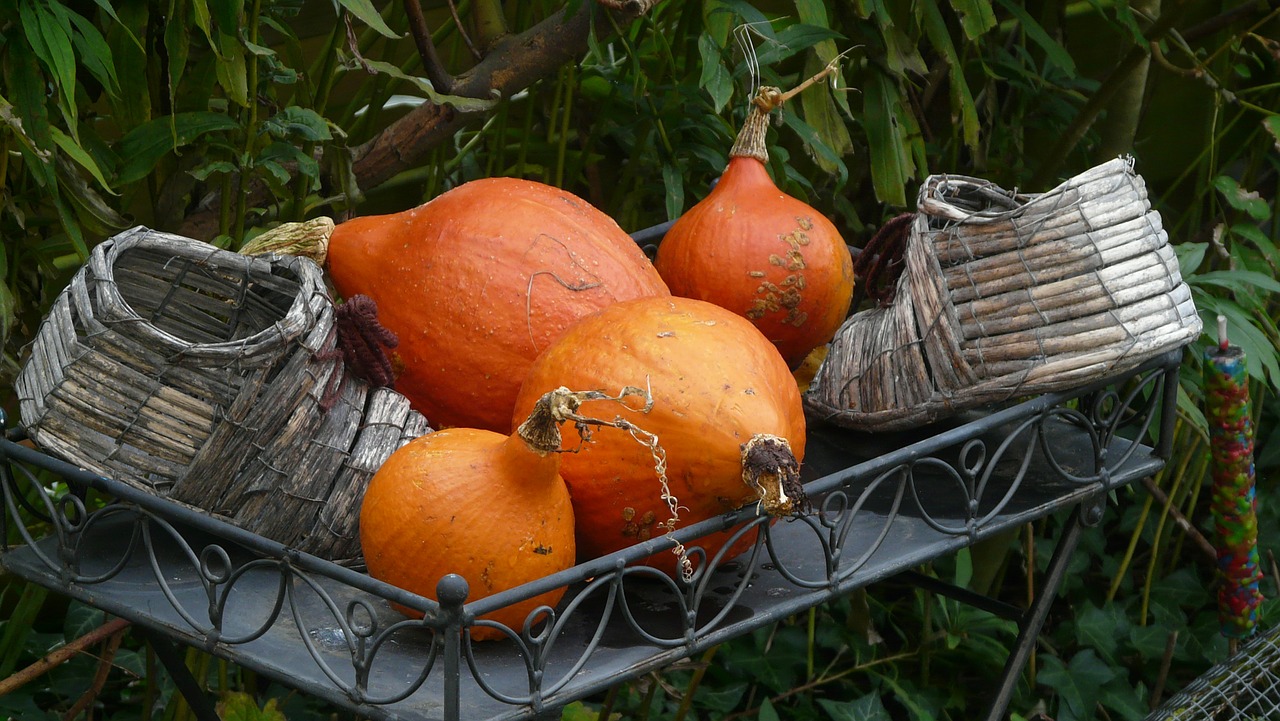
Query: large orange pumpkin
<point x="476" y="282"/>
<point x="720" y="391"/>
<point x="761" y="253"/>
<point x="489" y="507"/>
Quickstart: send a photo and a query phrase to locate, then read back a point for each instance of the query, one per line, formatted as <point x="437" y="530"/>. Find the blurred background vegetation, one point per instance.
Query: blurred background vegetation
<point x="217" y="119"/>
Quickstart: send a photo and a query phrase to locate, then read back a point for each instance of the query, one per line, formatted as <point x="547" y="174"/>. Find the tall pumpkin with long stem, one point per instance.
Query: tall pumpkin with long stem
<point x="765" y="255"/>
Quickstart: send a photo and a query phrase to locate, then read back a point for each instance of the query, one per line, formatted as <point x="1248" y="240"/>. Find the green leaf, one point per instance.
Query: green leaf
<point x="294" y="121"/>
<point x="1272" y="125"/>
<point x="673" y="180"/>
<point x="1102" y="628"/>
<point x="133" y="107"/>
<point x="1194" y="414"/>
<point x="1239" y="198"/>
<point x="232" y="70"/>
<point x="94" y="53"/>
<point x="1053" y="50"/>
<point x="78" y="154"/>
<point x="889" y="159"/>
<point x="177" y="41"/>
<point x="146" y="144"/>
<point x="866" y="708"/>
<point x="976" y="16"/>
<point x="715" y="77"/>
<point x="50" y="39"/>
<point x="767" y="712"/>
<point x="1238" y="280"/>
<point x="227" y="13"/>
<point x="1125" y="700"/>
<point x="364" y="10"/>
<point x="1260" y="352"/>
<point x="1078" y="684"/>
<point x="1190" y="257"/>
<point x="240" y="706"/>
<point x="961" y="97"/>
<point x="204" y="21"/>
<point x="831" y="135"/>
<point x="457" y="102"/>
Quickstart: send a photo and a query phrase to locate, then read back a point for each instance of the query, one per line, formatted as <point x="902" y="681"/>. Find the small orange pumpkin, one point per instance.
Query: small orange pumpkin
<point x="721" y="397"/>
<point x="488" y="507"/>
<point x="761" y="253"/>
<point x="480" y="279"/>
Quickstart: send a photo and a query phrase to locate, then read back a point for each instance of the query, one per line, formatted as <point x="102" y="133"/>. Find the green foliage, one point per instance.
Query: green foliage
<point x="247" y="113"/>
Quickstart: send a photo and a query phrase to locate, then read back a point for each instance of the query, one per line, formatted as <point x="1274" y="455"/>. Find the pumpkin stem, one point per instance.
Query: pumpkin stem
<point x="309" y="239"/>
<point x="541" y="430"/>
<point x="769" y="466"/>
<point x="750" y="141"/>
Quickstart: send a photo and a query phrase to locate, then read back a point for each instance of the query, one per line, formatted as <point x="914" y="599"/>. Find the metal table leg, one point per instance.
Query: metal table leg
<point x="1034" y="617"/>
<point x="199" y="701"/>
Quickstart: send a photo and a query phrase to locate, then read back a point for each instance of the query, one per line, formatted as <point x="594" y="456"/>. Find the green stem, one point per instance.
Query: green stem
<point x="686" y="702"/>
<point x="250" y="128"/>
<point x="565" y="114"/>
<point x="491" y="23"/>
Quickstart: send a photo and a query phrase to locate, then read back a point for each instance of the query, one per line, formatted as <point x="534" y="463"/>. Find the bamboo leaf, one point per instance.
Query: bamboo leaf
<point x="231" y="69"/>
<point x="364" y="10"/>
<point x="51" y="42"/>
<point x="714" y="78"/>
<point x="888" y="158"/>
<point x="1237" y="280"/>
<point x="976" y="16"/>
<point x="204" y="21"/>
<point x="818" y="145"/>
<point x="177" y="41"/>
<point x="146" y="144"/>
<point x="133" y="107"/>
<point x="1053" y="50"/>
<point x="961" y="97"/>
<point x="94" y="53"/>
<point x="78" y="154"/>
<point x="673" y="181"/>
<point x="110" y="10"/>
<point x="457" y="102"/>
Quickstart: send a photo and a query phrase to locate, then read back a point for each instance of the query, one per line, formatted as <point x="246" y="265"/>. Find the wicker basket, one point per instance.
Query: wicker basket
<point x="1004" y="295"/>
<point x="208" y="377"/>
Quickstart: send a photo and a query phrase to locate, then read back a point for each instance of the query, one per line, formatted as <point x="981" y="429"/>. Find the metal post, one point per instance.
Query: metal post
<point x="452" y="592"/>
<point x="200" y="702"/>
<point x="1033" y="620"/>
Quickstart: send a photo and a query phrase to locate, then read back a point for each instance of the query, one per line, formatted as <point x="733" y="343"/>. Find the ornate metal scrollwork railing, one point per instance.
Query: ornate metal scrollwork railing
<point x="235" y="594"/>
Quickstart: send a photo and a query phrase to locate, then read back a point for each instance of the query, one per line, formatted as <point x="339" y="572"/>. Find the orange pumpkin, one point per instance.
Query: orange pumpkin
<point x="476" y="282"/>
<point x="761" y="253"/>
<point x="718" y="386"/>
<point x="488" y="507"/>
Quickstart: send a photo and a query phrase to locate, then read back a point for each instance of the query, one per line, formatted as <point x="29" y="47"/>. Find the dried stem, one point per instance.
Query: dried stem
<point x="61" y="655"/>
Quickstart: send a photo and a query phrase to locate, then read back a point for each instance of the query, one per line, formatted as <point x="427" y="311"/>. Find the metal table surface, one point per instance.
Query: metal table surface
<point x="883" y="505"/>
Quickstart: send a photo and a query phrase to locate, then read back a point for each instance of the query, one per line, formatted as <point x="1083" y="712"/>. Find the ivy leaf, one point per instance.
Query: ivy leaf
<point x="1078" y="684"/>
<point x="368" y="15"/>
<point x="867" y="708"/>
<point x="1102" y="628"/>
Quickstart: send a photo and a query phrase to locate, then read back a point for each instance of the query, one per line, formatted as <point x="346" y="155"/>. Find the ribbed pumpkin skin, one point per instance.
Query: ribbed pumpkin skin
<point x="479" y="280"/>
<point x="471" y="502"/>
<point x="764" y="255"/>
<point x="715" y="380"/>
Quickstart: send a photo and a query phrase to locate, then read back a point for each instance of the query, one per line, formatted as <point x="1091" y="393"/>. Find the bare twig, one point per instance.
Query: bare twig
<point x="440" y="78"/>
<point x="515" y="63"/>
<point x="462" y="31"/>
<point x="99" y="677"/>
<point x="61" y="655"/>
<point x="1181" y="521"/>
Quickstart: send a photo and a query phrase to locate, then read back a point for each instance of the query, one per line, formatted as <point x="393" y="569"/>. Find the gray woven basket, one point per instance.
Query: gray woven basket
<point x="1005" y="295"/>
<point x="213" y="379"/>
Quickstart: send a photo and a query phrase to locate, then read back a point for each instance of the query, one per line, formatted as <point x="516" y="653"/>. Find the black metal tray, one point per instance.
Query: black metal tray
<point x="883" y="505"/>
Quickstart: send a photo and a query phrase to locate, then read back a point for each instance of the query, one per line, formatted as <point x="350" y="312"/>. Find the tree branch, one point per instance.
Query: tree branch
<point x="431" y="65"/>
<point x="514" y="63"/>
<point x="61" y="654"/>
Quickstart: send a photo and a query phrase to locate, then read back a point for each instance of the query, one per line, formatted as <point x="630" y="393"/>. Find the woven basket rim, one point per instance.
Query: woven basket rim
<point x="295" y="321"/>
